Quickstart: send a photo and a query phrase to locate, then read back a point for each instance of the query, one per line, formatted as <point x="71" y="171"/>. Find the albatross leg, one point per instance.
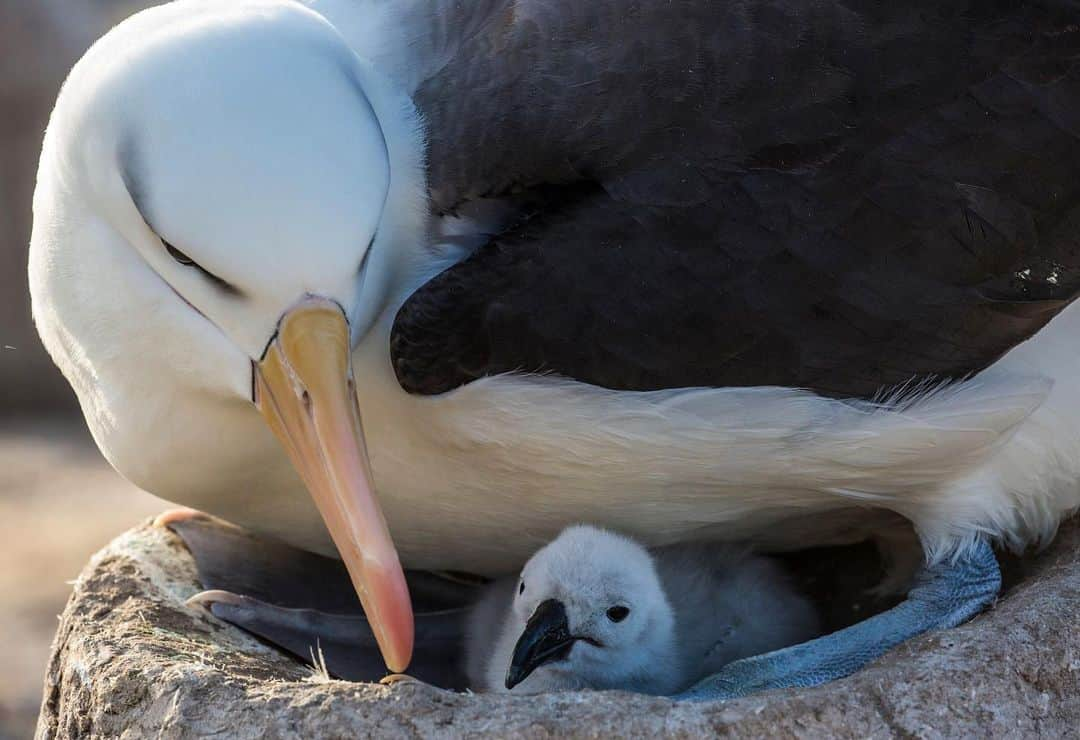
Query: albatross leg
<point x="944" y="596"/>
<point x="306" y="605"/>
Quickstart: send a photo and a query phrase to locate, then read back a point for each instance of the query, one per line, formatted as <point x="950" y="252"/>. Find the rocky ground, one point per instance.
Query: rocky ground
<point x="59" y="502"/>
<point x="131" y="660"/>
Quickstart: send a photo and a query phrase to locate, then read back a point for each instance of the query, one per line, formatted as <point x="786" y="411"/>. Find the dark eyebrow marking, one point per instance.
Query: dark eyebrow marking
<point x="224" y="285"/>
<point x="129" y="163"/>
<point x="183" y="259"/>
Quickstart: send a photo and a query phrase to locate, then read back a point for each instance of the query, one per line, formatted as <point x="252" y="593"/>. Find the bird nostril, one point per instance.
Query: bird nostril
<point x="305" y="398"/>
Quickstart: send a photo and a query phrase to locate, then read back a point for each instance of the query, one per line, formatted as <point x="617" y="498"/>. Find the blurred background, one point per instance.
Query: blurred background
<point x="59" y="500"/>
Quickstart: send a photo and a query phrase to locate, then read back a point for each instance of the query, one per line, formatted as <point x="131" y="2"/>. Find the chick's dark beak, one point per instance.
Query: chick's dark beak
<point x="546" y="639"/>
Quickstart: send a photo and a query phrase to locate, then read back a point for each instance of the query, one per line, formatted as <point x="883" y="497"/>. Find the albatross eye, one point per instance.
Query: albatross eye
<point x="186" y="261"/>
<point x="618" y="613"/>
<point x="177" y="255"/>
<point x="521" y="588"/>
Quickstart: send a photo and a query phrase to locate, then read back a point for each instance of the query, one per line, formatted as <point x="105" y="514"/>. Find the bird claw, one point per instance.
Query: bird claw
<point x="400" y="678"/>
<point x="207" y="599"/>
<point x="178" y="515"/>
<point x="737" y="679"/>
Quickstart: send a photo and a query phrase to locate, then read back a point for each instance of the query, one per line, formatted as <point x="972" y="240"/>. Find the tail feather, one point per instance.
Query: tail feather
<point x="733" y="462"/>
<point x="751" y="438"/>
<point x="928" y="439"/>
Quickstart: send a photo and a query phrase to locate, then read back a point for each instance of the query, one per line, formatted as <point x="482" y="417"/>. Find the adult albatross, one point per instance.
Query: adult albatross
<point x="647" y="266"/>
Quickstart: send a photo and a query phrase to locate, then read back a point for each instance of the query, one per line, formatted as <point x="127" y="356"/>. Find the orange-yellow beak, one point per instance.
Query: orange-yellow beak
<point x="304" y="388"/>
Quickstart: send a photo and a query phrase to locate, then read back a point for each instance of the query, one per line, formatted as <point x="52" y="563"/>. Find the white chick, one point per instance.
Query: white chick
<point x="594" y="609"/>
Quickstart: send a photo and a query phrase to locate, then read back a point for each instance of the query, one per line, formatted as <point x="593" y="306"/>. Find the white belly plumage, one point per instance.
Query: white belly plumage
<point x="478" y="478"/>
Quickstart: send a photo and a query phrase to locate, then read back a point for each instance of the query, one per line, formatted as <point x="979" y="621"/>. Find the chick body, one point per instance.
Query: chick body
<point x="690" y="610"/>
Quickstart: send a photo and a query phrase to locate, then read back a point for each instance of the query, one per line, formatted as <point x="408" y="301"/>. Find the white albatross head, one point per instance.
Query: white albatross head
<point x="227" y="198"/>
<point x="591" y="613"/>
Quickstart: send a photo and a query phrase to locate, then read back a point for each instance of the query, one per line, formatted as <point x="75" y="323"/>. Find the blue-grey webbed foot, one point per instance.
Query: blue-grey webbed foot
<point x="343" y="644"/>
<point x="945" y="595"/>
<point x="306" y="605"/>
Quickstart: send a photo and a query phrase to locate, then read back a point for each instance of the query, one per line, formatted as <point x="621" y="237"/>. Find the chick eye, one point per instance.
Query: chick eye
<point x="617" y="613"/>
<point x="521" y="588"/>
<point x="177" y="255"/>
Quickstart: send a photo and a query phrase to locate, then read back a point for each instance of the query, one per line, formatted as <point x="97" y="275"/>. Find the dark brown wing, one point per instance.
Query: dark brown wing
<point x="833" y="196"/>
